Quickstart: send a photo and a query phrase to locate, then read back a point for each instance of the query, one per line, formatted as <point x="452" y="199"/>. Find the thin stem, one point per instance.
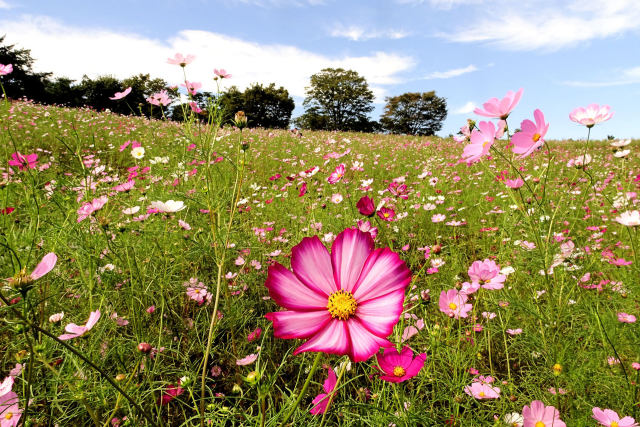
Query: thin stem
<point x="304" y="389"/>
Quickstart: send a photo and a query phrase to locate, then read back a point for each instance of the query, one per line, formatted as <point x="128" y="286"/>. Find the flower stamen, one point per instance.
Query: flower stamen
<point x="342" y="305"/>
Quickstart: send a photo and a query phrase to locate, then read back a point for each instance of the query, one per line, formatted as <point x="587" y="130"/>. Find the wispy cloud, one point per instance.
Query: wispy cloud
<point x="440" y="4"/>
<point x="465" y="109"/>
<point x="548" y="25"/>
<point x="5" y="5"/>
<point x="279" y="3"/>
<point x="451" y="73"/>
<point x="357" y="33"/>
<point x="625" y="77"/>
<point x="73" y="51"/>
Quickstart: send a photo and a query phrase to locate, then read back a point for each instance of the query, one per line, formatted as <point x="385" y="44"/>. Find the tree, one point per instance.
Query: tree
<point x="96" y="92"/>
<point x="341" y="97"/>
<point x="142" y="86"/>
<point x="23" y="81"/>
<point x="267" y="107"/>
<point x="231" y="101"/>
<point x="414" y="113"/>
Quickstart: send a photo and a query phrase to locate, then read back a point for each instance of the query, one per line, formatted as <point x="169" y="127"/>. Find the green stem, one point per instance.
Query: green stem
<point x="304" y="389"/>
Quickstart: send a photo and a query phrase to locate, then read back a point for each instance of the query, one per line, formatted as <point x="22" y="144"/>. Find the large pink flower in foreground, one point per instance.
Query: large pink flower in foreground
<point x="591" y="115"/>
<point x="609" y="418"/>
<point x="539" y="415"/>
<point x="500" y="108"/>
<point x="531" y="135"/>
<point x="346" y="302"/>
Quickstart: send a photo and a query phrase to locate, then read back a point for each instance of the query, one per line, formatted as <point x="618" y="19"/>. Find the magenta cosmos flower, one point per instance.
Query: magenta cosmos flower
<point x="500" y="108"/>
<point x="611" y="418"/>
<point x="337" y="174"/>
<point x="321" y="401"/>
<point x="591" y="115"/>
<point x="531" y="135"/>
<point x="481" y="141"/>
<point x="400" y="366"/>
<point x="539" y="415"/>
<point x="23" y="161"/>
<point x="343" y="303"/>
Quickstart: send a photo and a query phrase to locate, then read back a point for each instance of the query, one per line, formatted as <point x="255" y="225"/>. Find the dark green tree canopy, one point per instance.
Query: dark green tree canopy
<point x="341" y="97"/>
<point x="23" y="81"/>
<point x="264" y="106"/>
<point x="414" y="113"/>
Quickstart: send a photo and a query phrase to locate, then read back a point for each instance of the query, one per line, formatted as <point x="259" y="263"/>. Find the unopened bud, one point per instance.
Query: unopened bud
<point x="144" y="347"/>
<point x="240" y="119"/>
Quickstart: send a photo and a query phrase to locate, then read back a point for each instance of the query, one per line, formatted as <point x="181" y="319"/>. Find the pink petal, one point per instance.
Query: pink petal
<point x="311" y="263"/>
<point x="332" y="339"/>
<point x="294" y="324"/>
<point x="320" y="403"/>
<point x="383" y="272"/>
<point x="330" y="383"/>
<point x="379" y="315"/>
<point x="348" y="255"/>
<point x="93" y="319"/>
<point x="45" y="266"/>
<point x="289" y="292"/>
<point x="65" y="337"/>
<point x="364" y="344"/>
<point x="75" y="329"/>
<point x="415" y="366"/>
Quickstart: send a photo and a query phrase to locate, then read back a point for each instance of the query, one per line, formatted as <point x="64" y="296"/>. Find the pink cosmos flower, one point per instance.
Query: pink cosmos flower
<point x="591" y="115"/>
<point x="531" y="135"/>
<point x="626" y="318"/>
<point x="517" y="331"/>
<point x="120" y="95"/>
<point x="159" y="98"/>
<point x="514" y="183"/>
<point x="6" y="386"/>
<point x="453" y="304"/>
<point x="23" y="162"/>
<point x="346" y="302"/>
<point x="75" y="331"/>
<point x="194" y="107"/>
<point x="487" y="274"/>
<point x="366" y="206"/>
<point x="6" y="69"/>
<point x="629" y="218"/>
<point x="365" y="227"/>
<point x="386" y="214"/>
<point x="254" y="335"/>
<point x="481" y="141"/>
<point x="192" y="87"/>
<point x="43" y="267"/>
<point x="538" y="415"/>
<point x="10" y="411"/>
<point x="500" y="108"/>
<point x="336" y="175"/>
<point x="90" y="207"/>
<point x="611" y="418"/>
<point x="247" y="360"/>
<point x="438" y="218"/>
<point x="172" y="392"/>
<point x="125" y="186"/>
<point x="321" y="401"/>
<point x="180" y="60"/>
<point x="482" y="390"/>
<point x="399" y="366"/>
<point x="221" y="73"/>
<point x="199" y="294"/>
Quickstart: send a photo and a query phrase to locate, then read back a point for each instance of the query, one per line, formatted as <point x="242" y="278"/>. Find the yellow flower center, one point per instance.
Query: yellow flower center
<point x="342" y="305"/>
<point x="481" y="394"/>
<point x="8" y="416"/>
<point x="484" y="144"/>
<point x="386" y="215"/>
<point x="536" y="137"/>
<point x="540" y="424"/>
<point x="614" y="424"/>
<point x="452" y="306"/>
<point x="399" y="371"/>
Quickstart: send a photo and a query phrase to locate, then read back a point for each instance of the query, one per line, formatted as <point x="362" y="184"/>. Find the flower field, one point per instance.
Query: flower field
<point x="163" y="273"/>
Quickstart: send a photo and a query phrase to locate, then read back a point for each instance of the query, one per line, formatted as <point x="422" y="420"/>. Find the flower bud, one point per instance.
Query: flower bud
<point x="144" y="347"/>
<point x="240" y="120"/>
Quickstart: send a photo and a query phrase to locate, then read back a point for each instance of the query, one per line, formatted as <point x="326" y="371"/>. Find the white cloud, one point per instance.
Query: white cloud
<point x="356" y="33"/>
<point x="451" y="73"/>
<point x="280" y="3"/>
<point x="5" y="5"/>
<point x="547" y="25"/>
<point x="625" y="77"/>
<point x="465" y="109"/>
<point x="440" y="4"/>
<point x="74" y="51"/>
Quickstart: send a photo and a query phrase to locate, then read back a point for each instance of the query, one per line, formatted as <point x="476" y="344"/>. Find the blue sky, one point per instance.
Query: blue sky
<point x="564" y="54"/>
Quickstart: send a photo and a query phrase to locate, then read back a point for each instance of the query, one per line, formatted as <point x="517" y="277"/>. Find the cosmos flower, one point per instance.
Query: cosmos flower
<point x="591" y="115"/>
<point x="500" y="108"/>
<point x="120" y="95"/>
<point x="10" y="411"/>
<point x="6" y="69"/>
<point x="609" y="418"/>
<point x="321" y="401"/>
<point x="180" y="60"/>
<point x="482" y="390"/>
<point x="75" y="331"/>
<point x="43" y="267"/>
<point x="482" y="139"/>
<point x="487" y="274"/>
<point x="337" y="174"/>
<point x="346" y="302"/>
<point x="221" y="73"/>
<point x="539" y="415"/>
<point x="399" y="366"/>
<point x="454" y="304"/>
<point x="629" y="218"/>
<point x="170" y="206"/>
<point x="531" y="135"/>
<point x="23" y="161"/>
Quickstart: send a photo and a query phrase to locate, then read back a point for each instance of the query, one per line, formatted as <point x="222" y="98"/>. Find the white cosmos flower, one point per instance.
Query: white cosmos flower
<point x="131" y="211"/>
<point x="621" y="153"/>
<point x="629" y="218"/>
<point x="169" y="206"/>
<point x="621" y="143"/>
<point x="137" y="152"/>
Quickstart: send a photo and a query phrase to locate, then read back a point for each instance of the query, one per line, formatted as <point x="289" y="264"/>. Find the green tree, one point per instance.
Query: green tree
<point x="23" y="81"/>
<point x="231" y="101"/>
<point x="267" y="106"/>
<point x="62" y="91"/>
<point x="341" y="97"/>
<point x="96" y="92"/>
<point x="414" y="113"/>
<point x="142" y="86"/>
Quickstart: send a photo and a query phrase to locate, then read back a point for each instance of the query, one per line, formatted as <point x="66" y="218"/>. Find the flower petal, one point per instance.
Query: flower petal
<point x="348" y="255"/>
<point x="364" y="344"/>
<point x="45" y="266"/>
<point x="295" y="324"/>
<point x="289" y="292"/>
<point x="333" y="338"/>
<point x="379" y="315"/>
<point x="383" y="272"/>
<point x="311" y="263"/>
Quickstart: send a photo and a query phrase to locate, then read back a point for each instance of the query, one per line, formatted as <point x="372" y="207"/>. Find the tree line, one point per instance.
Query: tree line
<point x="336" y="99"/>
